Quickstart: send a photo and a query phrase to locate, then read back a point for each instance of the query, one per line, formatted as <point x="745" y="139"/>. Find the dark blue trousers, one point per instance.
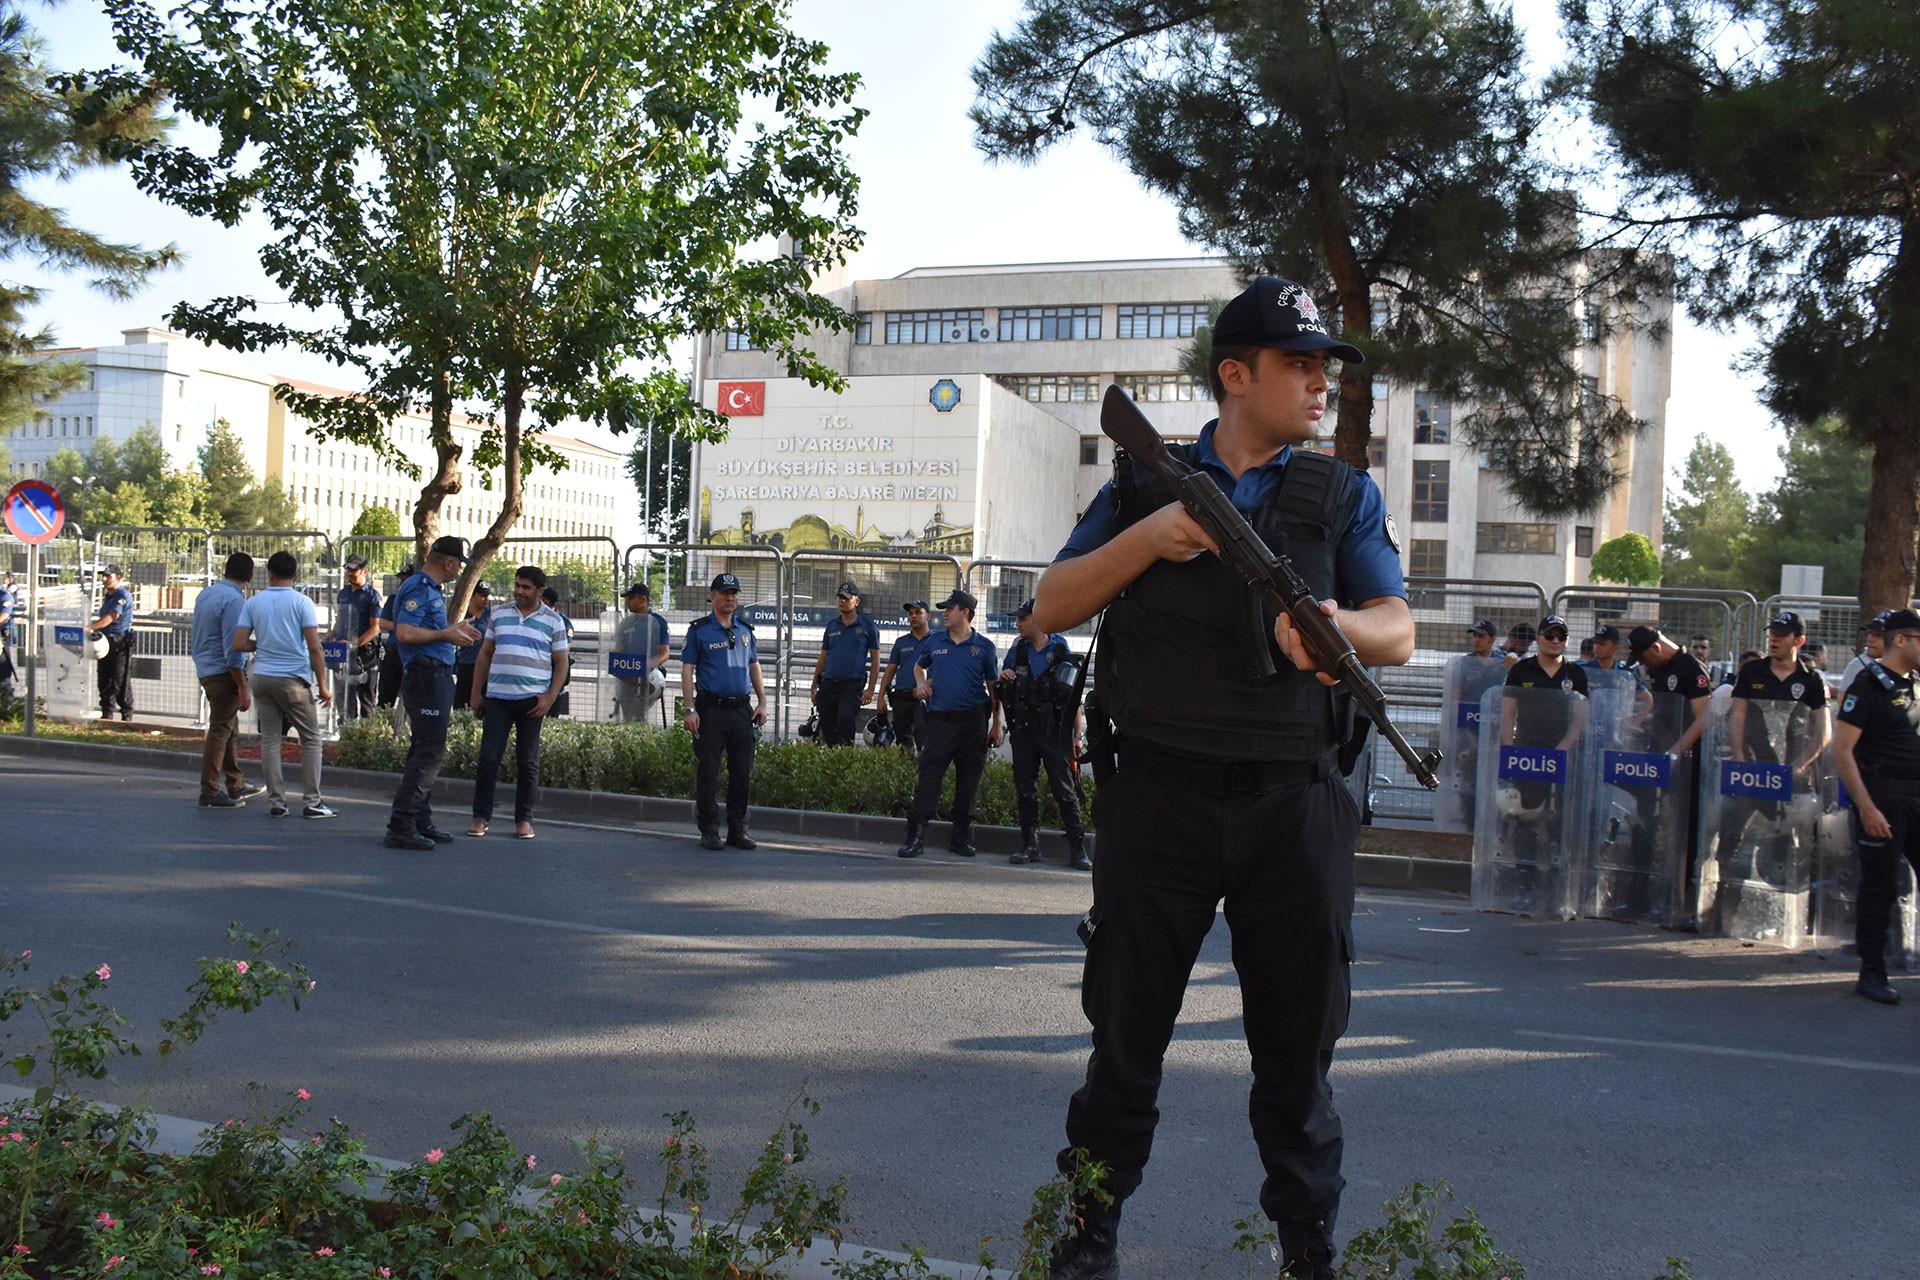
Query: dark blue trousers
<point x="426" y="691"/>
<point x="501" y="716"/>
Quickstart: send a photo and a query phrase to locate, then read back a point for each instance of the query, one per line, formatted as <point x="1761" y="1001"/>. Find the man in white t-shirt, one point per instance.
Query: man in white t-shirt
<point x="280" y="628"/>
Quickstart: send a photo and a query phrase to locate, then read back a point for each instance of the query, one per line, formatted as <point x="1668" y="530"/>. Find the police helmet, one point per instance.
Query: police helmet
<point x="811" y="727"/>
<point x="879" y="731"/>
<point x="657" y="680"/>
<point x="1066" y="671"/>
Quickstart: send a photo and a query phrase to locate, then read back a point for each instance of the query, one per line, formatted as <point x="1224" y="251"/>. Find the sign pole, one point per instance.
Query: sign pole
<point x="32" y="656"/>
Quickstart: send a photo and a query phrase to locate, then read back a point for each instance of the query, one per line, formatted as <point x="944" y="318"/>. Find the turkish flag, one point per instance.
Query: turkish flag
<point x="742" y="399"/>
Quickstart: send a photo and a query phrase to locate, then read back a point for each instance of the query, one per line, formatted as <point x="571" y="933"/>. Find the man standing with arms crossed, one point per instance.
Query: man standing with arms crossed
<point x="847" y="669"/>
<point x="723" y="659"/>
<point x="223" y="677"/>
<point x="1227" y="783"/>
<point x="426" y="642"/>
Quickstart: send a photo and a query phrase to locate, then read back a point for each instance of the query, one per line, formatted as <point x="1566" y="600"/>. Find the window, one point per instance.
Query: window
<point x="1052" y="388"/>
<point x="1430" y="490"/>
<point x="1089" y="451"/>
<point x="1432" y="419"/>
<point x="1518" y="539"/>
<point x="1593" y="325"/>
<point x="1162" y="388"/>
<point x="1049" y="324"/>
<point x="1583" y="539"/>
<point x="1160" y="319"/>
<point x="1427" y="558"/>
<point x="912" y="327"/>
<point x="863" y="329"/>
<point x="737" y="341"/>
<point x="1379" y="387"/>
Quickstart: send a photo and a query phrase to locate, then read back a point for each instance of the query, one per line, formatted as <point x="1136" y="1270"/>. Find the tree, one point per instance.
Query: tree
<point x="51" y="127"/>
<point x="1772" y="143"/>
<point x="1377" y="151"/>
<point x="1817" y="512"/>
<point x="504" y="233"/>
<point x="379" y="522"/>
<point x="1709" y="523"/>
<point x="1629" y="559"/>
<point x="235" y="497"/>
<point x="126" y="483"/>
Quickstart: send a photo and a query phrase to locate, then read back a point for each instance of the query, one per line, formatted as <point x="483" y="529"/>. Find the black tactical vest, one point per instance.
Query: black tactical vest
<point x="1189" y="662"/>
<point x="1035" y="702"/>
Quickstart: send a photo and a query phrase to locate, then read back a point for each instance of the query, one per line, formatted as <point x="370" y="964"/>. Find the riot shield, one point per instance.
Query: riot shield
<point x="1468" y="679"/>
<point x="1836" y="886"/>
<point x="1530" y="825"/>
<point x="1636" y="862"/>
<point x="1760" y="821"/>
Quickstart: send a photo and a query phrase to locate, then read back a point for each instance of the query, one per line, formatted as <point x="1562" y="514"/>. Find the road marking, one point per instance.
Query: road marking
<point x="1726" y="1051"/>
<point x="542" y="922"/>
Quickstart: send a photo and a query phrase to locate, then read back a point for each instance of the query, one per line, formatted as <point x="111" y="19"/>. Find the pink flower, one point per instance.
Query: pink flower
<point x="316" y="1139"/>
<point x="303" y="1095"/>
<point x="113" y="1262"/>
<point x="554" y="1181"/>
<point x="531" y="1162"/>
<point x="435" y="1156"/>
<point x="385" y="1271"/>
<point x="17" y="1136"/>
<point x="20" y="1248"/>
<point x="104" y="972"/>
<point x="211" y="1269"/>
<point x="240" y="966"/>
<point x="27" y="954"/>
<point x="324" y="1251"/>
<point x="107" y="1220"/>
<point x="312" y="985"/>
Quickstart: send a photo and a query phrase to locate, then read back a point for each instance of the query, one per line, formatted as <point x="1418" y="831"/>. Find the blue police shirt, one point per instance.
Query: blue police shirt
<point x="848" y="647"/>
<point x="117" y="601"/>
<point x="720" y="657"/>
<point x="215" y="614"/>
<point x="467" y="655"/>
<point x="959" y="670"/>
<point x="9" y="606"/>
<point x="1039" y="658"/>
<point x="905" y="657"/>
<point x="354" y="612"/>
<point x="1366" y="567"/>
<point x="420" y="602"/>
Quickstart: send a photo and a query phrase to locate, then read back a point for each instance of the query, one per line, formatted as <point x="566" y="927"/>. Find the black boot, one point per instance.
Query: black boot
<point x="710" y="839"/>
<point x="959" y="842"/>
<point x="1089" y="1250"/>
<point x="739" y="839"/>
<point x="1029" y="848"/>
<point x="912" y="848"/>
<point x="1874" y="986"/>
<point x="1306" y="1251"/>
<point x="1077" y="853"/>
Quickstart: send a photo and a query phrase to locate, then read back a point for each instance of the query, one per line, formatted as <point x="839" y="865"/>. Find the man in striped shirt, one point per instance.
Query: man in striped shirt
<point x="521" y="667"/>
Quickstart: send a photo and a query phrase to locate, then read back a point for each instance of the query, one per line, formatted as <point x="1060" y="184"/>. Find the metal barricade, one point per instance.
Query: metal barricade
<point x="166" y="569"/>
<point x="689" y="569"/>
<point x="1679" y="612"/>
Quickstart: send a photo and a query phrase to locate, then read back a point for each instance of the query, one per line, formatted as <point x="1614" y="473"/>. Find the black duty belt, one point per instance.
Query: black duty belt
<point x="430" y="664"/>
<point x="1219" y="777"/>
<point x="965" y="713"/>
<point x="1892" y="785"/>
<point x="713" y="702"/>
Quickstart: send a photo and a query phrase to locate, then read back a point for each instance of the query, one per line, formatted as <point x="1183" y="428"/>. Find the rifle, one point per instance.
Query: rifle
<point x="1272" y="575"/>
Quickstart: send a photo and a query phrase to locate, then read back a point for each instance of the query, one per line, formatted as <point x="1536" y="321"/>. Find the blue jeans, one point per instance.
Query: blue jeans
<point x="426" y="690"/>
<point x="501" y="715"/>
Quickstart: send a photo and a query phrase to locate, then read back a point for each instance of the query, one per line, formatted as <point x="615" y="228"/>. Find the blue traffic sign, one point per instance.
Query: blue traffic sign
<point x="34" y="512"/>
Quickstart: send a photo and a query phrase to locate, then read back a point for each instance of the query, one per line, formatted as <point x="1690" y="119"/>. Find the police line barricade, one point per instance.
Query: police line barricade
<point x="1531" y="824"/>
<point x="1468" y="679"/>
<point x="1642" y="810"/>
<point x="1760" y="817"/>
<point x="1836" y="888"/>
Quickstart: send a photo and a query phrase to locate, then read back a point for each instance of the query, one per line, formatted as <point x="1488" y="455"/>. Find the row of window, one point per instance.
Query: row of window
<point x="1085" y="388"/>
<point x="1018" y="324"/>
<point x="1427" y="557"/>
<point x="74" y="424"/>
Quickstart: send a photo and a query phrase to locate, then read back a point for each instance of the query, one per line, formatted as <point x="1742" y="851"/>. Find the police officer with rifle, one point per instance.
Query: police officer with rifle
<point x="1243" y="578"/>
<point x="1037" y="691"/>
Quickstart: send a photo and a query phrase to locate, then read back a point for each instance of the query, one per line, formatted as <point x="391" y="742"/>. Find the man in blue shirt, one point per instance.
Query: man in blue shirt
<point x="722" y="662"/>
<point x="957" y="670"/>
<point x="426" y="642"/>
<point x="223" y="677"/>
<point x="116" y="624"/>
<point x="356" y="620"/>
<point x="904" y="711"/>
<point x="281" y="629"/>
<point x="847" y="669"/>
<point x="1224" y="783"/>
<point x="10" y="604"/>
<point x="1038" y="702"/>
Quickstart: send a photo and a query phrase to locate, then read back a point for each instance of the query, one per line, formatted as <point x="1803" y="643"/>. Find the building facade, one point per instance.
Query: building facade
<point x="1051" y="337"/>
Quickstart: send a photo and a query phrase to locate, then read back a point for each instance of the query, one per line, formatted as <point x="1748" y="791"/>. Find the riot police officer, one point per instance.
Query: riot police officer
<point x="115" y="622"/>
<point x="722" y="659"/>
<point x="957" y="670"/>
<point x="1036" y="689"/>
<point x="905" y="712"/>
<point x="356" y="620"/>
<point x="1876" y="750"/>
<point x="1780" y="677"/>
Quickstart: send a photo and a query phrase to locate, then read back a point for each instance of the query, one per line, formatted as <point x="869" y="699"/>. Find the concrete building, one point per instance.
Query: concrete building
<point x="181" y="387"/>
<point x="1029" y="349"/>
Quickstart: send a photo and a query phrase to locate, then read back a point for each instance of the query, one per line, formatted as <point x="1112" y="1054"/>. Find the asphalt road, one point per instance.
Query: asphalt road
<point x="1602" y="1096"/>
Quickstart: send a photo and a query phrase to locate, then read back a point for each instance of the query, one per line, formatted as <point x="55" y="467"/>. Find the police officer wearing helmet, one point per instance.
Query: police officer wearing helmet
<point x="1226" y="780"/>
<point x="956" y="674"/>
<point x="1036" y="688"/>
<point x="1780" y="677"/>
<point x="722" y="659"/>
<point x="905" y="712"/>
<point x="356" y="620"/>
<point x="426" y="641"/>
<point x="1876" y="750"/>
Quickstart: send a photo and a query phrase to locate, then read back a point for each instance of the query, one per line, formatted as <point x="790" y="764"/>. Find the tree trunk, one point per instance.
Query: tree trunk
<point x="1893" y="513"/>
<point x="512" y="414"/>
<point x="446" y="475"/>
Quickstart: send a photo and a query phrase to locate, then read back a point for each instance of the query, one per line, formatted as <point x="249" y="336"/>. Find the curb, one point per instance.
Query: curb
<point x="1372" y="870"/>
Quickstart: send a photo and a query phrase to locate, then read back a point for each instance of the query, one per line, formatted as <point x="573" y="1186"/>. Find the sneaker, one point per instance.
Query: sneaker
<point x="321" y="810"/>
<point x="248" y="791"/>
<point x="278" y="809"/>
<point x="218" y="801"/>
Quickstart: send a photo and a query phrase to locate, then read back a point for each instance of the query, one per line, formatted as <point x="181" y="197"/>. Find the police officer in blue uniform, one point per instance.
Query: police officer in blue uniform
<point x="1224" y="778"/>
<point x="1036" y="688"/>
<point x="356" y="620"/>
<point x="426" y="641"/>
<point x="848" y="668"/>
<point x="1876" y="751"/>
<point x="116" y="624"/>
<point x="905" y="712"/>
<point x="10" y="604"/>
<point x="957" y="673"/>
<point x="723" y="660"/>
